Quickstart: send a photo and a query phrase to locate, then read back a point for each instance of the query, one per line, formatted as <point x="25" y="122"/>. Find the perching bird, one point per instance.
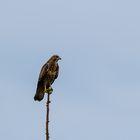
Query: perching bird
<point x="48" y="74"/>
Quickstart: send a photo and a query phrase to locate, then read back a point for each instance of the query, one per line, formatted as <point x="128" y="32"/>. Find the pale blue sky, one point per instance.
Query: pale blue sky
<point x="97" y="94"/>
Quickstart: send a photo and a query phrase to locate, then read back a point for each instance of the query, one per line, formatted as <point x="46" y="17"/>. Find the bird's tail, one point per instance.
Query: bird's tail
<point x="39" y="96"/>
<point x="39" y="91"/>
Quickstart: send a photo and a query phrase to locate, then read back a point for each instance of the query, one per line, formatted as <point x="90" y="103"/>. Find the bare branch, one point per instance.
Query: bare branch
<point x="47" y="118"/>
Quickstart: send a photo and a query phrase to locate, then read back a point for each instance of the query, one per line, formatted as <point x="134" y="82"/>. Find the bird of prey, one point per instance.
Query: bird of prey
<point x="48" y="74"/>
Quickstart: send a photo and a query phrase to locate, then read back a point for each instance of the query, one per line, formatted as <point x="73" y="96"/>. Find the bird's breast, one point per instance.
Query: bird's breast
<point x="52" y="73"/>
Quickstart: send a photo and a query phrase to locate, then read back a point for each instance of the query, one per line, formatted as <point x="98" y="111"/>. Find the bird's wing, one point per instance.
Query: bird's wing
<point x="41" y="83"/>
<point x="43" y="72"/>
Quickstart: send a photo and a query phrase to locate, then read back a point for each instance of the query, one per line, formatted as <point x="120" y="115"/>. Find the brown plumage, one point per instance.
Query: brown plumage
<point x="48" y="74"/>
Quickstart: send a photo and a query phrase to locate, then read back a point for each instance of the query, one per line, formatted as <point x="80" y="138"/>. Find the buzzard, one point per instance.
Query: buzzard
<point x="48" y="74"/>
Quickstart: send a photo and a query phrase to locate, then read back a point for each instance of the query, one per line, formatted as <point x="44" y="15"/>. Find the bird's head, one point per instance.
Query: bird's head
<point x="55" y="58"/>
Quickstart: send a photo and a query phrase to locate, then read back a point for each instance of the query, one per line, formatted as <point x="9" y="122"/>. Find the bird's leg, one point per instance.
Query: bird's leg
<point x="45" y="89"/>
<point x="50" y="89"/>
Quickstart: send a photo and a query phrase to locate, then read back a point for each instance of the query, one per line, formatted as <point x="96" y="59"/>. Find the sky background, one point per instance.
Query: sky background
<point x="97" y="94"/>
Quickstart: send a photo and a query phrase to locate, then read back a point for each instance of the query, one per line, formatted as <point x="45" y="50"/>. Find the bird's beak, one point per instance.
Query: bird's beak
<point x="59" y="58"/>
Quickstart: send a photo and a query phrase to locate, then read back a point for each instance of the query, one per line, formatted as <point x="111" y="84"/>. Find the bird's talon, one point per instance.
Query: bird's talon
<point x="49" y="90"/>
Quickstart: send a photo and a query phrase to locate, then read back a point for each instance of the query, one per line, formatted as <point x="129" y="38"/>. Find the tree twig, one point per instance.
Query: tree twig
<point x="47" y="118"/>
